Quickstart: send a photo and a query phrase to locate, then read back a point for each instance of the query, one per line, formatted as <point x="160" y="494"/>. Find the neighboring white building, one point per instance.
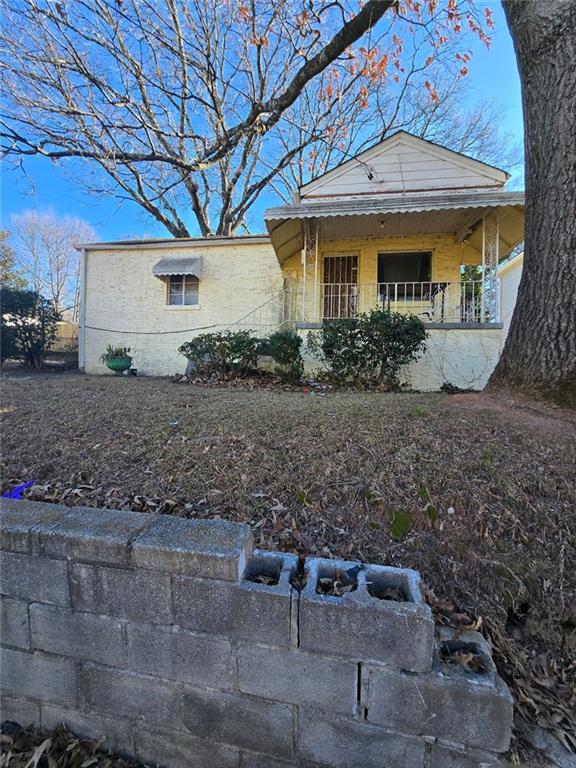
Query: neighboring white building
<point x="394" y="226"/>
<point x="509" y="274"/>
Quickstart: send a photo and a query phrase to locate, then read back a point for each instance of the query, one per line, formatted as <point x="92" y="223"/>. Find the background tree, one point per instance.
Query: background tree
<point x="193" y="108"/>
<point x="46" y="255"/>
<point x="474" y="132"/>
<point x="27" y="326"/>
<point x="9" y="275"/>
<point x="539" y="356"/>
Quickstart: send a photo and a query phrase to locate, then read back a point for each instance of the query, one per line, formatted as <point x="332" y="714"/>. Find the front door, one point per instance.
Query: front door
<point x="340" y="287"/>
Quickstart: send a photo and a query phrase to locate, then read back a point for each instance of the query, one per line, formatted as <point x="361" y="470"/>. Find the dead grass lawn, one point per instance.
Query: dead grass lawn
<point x="489" y="487"/>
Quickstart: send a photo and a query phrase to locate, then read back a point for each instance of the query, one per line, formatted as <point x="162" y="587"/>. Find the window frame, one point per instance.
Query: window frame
<point x="414" y="290"/>
<point x="185" y="280"/>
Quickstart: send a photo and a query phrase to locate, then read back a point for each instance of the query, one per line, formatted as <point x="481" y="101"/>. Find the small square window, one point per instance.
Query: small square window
<point x="182" y="290"/>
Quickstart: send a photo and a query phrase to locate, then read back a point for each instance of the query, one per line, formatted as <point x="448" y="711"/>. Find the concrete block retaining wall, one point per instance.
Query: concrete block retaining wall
<point x="148" y="632"/>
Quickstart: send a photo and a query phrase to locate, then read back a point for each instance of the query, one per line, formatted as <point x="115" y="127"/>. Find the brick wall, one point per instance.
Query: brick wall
<point x="149" y="632"/>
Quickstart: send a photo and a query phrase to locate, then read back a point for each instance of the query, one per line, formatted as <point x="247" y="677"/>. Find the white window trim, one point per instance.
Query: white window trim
<point x="182" y="307"/>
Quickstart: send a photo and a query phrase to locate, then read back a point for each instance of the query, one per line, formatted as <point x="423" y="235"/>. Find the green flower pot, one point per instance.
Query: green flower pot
<point x="119" y="364"/>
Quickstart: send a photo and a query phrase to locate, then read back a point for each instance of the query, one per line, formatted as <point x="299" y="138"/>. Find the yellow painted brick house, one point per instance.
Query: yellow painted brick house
<point x="406" y="224"/>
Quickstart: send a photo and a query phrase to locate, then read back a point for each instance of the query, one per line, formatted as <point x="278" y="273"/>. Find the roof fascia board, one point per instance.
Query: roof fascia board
<point x="382" y="206"/>
<point x="180" y="244"/>
<point x="518" y="259"/>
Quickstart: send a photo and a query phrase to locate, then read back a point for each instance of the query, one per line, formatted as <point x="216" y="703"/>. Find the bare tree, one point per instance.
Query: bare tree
<point x="539" y="356"/>
<point x="474" y="132"/>
<point x="185" y="106"/>
<point x="45" y="254"/>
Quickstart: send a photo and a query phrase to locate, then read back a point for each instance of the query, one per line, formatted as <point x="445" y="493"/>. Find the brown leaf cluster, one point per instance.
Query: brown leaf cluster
<point x="30" y="748"/>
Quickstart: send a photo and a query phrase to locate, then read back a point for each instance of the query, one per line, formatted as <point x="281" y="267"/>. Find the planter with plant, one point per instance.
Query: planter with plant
<point x="117" y="358"/>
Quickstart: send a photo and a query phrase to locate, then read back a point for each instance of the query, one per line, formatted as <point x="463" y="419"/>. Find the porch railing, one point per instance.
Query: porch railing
<point x="277" y="313"/>
<point x="437" y="302"/>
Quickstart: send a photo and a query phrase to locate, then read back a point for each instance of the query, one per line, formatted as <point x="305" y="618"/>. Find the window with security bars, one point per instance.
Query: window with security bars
<point x="182" y="290"/>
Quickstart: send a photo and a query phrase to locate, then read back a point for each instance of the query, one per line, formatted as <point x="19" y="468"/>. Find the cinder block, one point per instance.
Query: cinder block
<point x="262" y="726"/>
<point x="442" y="706"/>
<point x="210" y="549"/>
<point x="296" y="677"/>
<point x="247" y="611"/>
<point x="38" y="676"/>
<point x="19" y="516"/>
<point x="341" y="743"/>
<point x="450" y="640"/>
<point x="362" y="627"/>
<point x="21" y="711"/>
<point x="35" y="579"/>
<point x="137" y="595"/>
<point x="446" y="757"/>
<point x="14" y="627"/>
<point x="90" y="535"/>
<point x="113" y="733"/>
<point x="79" y="635"/>
<point x="128" y="694"/>
<point x="181" y="750"/>
<point x="177" y="654"/>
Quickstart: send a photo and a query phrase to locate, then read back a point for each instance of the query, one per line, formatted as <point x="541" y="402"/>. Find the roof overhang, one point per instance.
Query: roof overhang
<point x="394" y="216"/>
<point x="174" y="242"/>
<point x="189" y="265"/>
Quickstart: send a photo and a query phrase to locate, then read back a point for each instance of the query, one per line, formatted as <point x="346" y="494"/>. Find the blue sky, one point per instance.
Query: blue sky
<point x="493" y="75"/>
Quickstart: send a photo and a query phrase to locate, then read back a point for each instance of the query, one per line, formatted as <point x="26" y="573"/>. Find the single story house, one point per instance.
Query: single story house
<point x="407" y="224"/>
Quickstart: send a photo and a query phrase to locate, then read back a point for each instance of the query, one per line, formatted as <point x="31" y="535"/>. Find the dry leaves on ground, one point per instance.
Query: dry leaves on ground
<point x="30" y="748"/>
<point x="479" y="498"/>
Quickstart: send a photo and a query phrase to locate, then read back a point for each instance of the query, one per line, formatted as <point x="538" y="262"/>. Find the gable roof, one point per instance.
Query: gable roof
<point x="404" y="163"/>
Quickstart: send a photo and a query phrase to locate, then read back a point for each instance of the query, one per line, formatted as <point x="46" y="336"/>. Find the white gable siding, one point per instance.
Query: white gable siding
<point x="509" y="282"/>
<point x="404" y="163"/>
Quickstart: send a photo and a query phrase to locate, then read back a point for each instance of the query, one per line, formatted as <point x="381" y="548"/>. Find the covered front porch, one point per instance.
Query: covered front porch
<point x="435" y="257"/>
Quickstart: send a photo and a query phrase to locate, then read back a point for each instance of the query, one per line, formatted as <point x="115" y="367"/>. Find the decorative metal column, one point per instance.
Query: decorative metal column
<point x="310" y="305"/>
<point x="490" y="307"/>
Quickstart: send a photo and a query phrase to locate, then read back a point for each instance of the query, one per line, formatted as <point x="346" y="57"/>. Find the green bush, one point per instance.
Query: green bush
<point x="370" y="347"/>
<point x="222" y="354"/>
<point x="392" y="340"/>
<point x="340" y="345"/>
<point x="284" y="348"/>
<point x="28" y="326"/>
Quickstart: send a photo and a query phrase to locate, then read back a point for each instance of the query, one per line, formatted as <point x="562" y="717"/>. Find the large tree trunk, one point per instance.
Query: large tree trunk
<point x="540" y="353"/>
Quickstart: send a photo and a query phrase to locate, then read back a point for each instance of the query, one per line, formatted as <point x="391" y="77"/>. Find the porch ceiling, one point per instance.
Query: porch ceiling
<point x="460" y="215"/>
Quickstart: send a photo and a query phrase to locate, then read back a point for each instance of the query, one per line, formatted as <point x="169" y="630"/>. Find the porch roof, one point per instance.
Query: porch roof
<point x="397" y="215"/>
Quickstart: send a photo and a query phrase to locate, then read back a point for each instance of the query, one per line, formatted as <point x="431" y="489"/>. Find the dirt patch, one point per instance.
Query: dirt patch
<point x="530" y="413"/>
<point x="478" y="497"/>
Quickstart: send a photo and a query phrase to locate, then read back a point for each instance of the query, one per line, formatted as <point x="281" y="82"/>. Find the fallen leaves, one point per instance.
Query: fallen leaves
<point x="338" y="583"/>
<point x="466" y="658"/>
<point x="394" y="594"/>
<point x="30" y="748"/>
<point x="479" y="500"/>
